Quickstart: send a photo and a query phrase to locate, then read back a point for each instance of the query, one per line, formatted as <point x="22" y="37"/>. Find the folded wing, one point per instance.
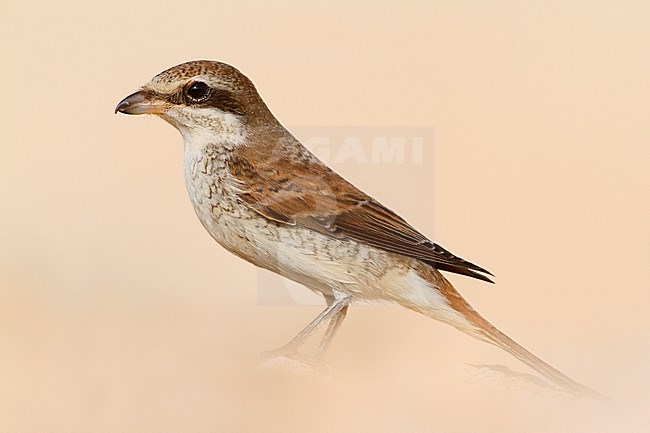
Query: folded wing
<point x="304" y="192"/>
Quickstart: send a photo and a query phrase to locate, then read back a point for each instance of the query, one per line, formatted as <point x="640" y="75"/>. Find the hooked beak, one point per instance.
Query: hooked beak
<point x="142" y="102"/>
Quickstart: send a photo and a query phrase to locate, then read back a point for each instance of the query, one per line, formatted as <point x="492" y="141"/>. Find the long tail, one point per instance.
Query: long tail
<point x="478" y="327"/>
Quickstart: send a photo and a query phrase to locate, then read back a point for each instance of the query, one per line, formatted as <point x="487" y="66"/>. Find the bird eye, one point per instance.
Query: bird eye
<point x="198" y="91"/>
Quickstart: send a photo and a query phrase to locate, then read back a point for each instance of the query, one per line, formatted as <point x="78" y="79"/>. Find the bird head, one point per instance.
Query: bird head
<point x="200" y="98"/>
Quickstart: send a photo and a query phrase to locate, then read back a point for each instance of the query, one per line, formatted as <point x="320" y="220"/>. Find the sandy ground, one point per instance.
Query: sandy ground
<point x="119" y="314"/>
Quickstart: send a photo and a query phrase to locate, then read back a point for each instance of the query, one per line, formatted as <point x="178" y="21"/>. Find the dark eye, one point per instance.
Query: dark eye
<point x="198" y="91"/>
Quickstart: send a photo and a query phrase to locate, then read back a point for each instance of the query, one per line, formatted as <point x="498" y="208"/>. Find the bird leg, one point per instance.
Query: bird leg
<point x="337" y="305"/>
<point x="335" y="324"/>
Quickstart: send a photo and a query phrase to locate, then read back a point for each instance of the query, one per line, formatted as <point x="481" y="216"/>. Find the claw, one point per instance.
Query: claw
<point x="288" y="359"/>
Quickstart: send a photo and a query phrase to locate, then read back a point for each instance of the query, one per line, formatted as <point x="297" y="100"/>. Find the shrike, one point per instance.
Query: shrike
<point x="267" y="199"/>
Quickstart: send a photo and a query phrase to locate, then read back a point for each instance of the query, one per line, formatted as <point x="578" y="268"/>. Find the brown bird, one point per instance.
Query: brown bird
<point x="267" y="199"/>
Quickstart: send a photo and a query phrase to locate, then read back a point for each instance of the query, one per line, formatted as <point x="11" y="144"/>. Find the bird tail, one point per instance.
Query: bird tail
<point x="472" y="323"/>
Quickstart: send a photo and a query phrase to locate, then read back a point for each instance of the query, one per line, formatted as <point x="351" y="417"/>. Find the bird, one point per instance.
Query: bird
<point x="266" y="198"/>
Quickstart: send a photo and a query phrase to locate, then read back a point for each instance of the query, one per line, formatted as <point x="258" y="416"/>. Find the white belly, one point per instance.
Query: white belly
<point x="299" y="254"/>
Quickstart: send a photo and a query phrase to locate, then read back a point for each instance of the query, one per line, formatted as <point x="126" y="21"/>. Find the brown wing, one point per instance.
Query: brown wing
<point x="300" y="190"/>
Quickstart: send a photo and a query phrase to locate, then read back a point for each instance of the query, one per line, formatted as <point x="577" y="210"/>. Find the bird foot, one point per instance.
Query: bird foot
<point x="288" y="359"/>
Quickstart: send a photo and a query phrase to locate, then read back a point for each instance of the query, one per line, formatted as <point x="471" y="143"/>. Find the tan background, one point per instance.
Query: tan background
<point x="119" y="314"/>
